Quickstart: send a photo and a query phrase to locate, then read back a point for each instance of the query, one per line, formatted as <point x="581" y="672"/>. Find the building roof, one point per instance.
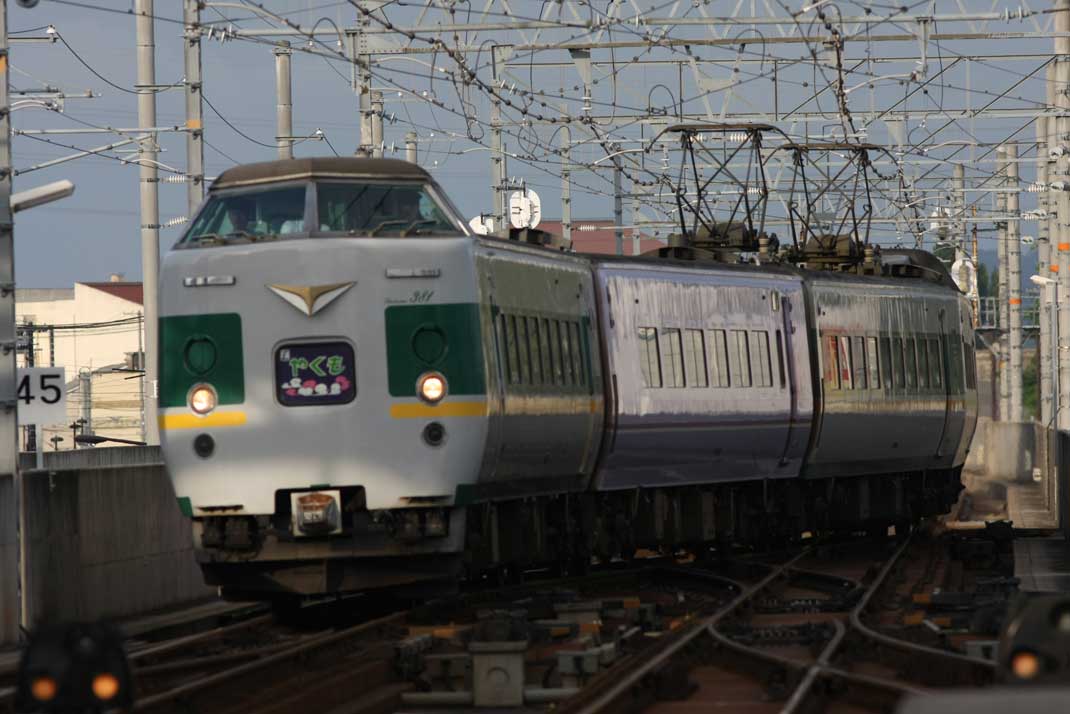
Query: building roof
<point x="131" y="292"/>
<point x="599" y="236"/>
<point x="318" y="167"/>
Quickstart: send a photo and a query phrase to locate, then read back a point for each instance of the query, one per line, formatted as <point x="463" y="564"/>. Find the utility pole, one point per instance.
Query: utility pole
<point x="618" y="206"/>
<point x="85" y="386"/>
<point x="1062" y="173"/>
<point x="497" y="172"/>
<point x="377" y="125"/>
<point x="1043" y="246"/>
<point x="9" y="432"/>
<point x="362" y="79"/>
<point x="1003" y="270"/>
<point x="1014" y="282"/>
<point x="194" y="110"/>
<point x="31" y="429"/>
<point x="150" y="203"/>
<point x="566" y="186"/>
<point x="410" y="147"/>
<point x="141" y="382"/>
<point x="284" y="110"/>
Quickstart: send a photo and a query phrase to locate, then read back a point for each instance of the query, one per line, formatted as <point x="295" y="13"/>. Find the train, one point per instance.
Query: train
<point x="357" y="393"/>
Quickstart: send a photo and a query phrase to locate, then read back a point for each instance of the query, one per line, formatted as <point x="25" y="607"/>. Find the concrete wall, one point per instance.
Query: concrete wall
<point x="1006" y="451"/>
<point x="105" y="538"/>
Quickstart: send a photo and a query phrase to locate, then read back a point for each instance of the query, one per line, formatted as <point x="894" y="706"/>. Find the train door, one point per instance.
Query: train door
<point x="786" y="355"/>
<point x="952" y="427"/>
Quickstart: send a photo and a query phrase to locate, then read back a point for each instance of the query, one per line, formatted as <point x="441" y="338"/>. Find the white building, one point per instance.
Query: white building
<point x="94" y="331"/>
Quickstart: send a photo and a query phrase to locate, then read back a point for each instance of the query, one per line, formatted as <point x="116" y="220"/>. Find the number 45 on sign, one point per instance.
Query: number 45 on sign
<point x="41" y="396"/>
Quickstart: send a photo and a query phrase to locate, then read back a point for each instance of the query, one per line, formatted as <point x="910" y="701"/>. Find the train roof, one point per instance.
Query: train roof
<point x="318" y="167"/>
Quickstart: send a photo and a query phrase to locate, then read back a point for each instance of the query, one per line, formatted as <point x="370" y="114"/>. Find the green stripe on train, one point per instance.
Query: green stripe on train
<point x="444" y="338"/>
<point x="201" y="348"/>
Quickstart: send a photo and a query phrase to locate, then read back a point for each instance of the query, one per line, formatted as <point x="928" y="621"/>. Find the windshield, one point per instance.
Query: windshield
<point x="250" y="215"/>
<point x="380" y="209"/>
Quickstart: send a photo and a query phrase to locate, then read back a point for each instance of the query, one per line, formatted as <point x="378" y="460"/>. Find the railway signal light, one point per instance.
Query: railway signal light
<point x="78" y="667"/>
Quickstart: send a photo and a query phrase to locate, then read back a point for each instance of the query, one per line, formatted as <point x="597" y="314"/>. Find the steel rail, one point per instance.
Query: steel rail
<point x="320" y="641"/>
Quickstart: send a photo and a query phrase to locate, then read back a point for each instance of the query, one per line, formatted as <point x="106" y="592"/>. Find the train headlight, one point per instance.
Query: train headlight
<point x="202" y="398"/>
<point x="105" y="686"/>
<point x="1025" y="665"/>
<point x="431" y="387"/>
<point x="44" y="689"/>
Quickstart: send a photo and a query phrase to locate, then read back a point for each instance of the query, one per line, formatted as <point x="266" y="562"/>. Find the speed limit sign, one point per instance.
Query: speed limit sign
<point x="41" y="396"/>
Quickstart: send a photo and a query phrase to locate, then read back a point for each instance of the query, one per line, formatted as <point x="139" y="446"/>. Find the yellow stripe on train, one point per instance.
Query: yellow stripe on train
<point x="446" y="409"/>
<point x="192" y="421"/>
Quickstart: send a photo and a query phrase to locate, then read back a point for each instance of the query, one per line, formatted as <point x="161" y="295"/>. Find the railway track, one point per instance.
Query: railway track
<point x="842" y="626"/>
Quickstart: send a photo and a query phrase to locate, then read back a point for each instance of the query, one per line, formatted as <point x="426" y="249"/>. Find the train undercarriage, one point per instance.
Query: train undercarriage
<point x="568" y="532"/>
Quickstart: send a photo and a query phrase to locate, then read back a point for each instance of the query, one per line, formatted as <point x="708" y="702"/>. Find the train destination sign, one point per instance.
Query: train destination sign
<point x="315" y="374"/>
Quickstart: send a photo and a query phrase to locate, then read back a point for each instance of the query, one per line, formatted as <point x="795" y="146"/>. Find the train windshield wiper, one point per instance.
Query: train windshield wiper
<point x="416" y="224"/>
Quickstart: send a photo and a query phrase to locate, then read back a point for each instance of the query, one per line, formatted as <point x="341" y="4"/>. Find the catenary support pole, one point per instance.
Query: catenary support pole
<point x="377" y="125"/>
<point x="284" y="108"/>
<point x="1062" y="173"/>
<point x="1002" y="304"/>
<point x="1014" y="284"/>
<point x="497" y="160"/>
<point x="565" y="138"/>
<point x="13" y="522"/>
<point x="410" y="147"/>
<point x="194" y="110"/>
<point x="1045" y="307"/>
<point x="618" y="205"/>
<point x="150" y="204"/>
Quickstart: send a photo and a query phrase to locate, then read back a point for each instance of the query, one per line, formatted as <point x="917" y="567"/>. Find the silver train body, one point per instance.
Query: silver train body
<point x="353" y="402"/>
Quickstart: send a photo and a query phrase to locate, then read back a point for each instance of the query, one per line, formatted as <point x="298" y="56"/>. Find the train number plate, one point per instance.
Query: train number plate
<point x="315" y="374"/>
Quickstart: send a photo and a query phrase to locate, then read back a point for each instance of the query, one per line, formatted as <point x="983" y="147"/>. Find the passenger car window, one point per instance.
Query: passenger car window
<point x="672" y="359"/>
<point x="380" y="209"/>
<point x="759" y="358"/>
<point x="845" y="362"/>
<point x="577" y="354"/>
<point x="911" y="363"/>
<point x="695" y="359"/>
<point x="520" y="325"/>
<point x="897" y="362"/>
<point x="249" y="216"/>
<point x="566" y="350"/>
<point x="534" y="348"/>
<point x="923" y="365"/>
<point x="739" y="359"/>
<point x="935" y="366"/>
<point x="886" y="361"/>
<point x="649" y="358"/>
<point x="873" y="362"/>
<point x="719" y="358"/>
<point x="858" y="352"/>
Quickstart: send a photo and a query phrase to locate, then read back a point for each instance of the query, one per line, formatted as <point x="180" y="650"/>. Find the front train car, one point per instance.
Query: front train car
<point x="322" y="376"/>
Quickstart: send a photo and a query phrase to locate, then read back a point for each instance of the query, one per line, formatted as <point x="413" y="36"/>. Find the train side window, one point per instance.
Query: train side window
<point x="649" y="357"/>
<point x="923" y="365"/>
<point x="886" y="361"/>
<point x="897" y="362"/>
<point x="845" y="362"/>
<point x="672" y="358"/>
<point x="955" y="381"/>
<point x="523" y="356"/>
<point x="739" y="359"/>
<point x="832" y="362"/>
<point x="533" y="349"/>
<point x="695" y="359"/>
<point x="780" y="359"/>
<point x="544" y="350"/>
<point x="759" y="358"/>
<point x="858" y="352"/>
<point x="911" y="364"/>
<point x="512" y="361"/>
<point x="719" y="357"/>
<point x="935" y="368"/>
<point x="577" y="353"/>
<point x="554" y="344"/>
<point x="873" y="362"/>
<point x="566" y="351"/>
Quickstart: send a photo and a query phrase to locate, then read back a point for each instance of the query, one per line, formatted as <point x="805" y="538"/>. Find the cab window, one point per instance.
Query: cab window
<point x="380" y="209"/>
<point x="250" y="216"/>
